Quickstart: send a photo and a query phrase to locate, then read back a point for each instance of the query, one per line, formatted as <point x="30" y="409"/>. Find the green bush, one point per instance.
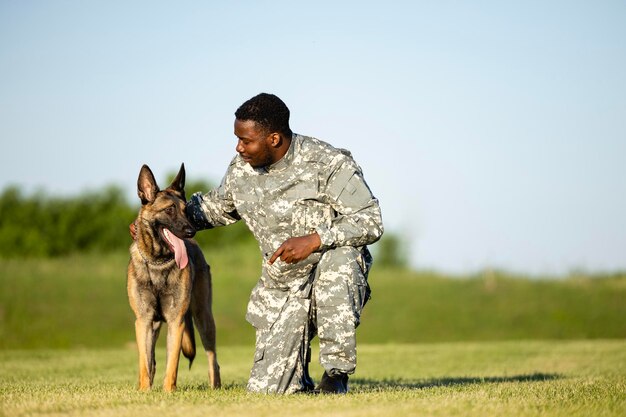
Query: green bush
<point x="40" y="225"/>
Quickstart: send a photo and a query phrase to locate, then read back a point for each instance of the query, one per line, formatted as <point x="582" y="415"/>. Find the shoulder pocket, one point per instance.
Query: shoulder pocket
<point x="351" y="191"/>
<point x="338" y="183"/>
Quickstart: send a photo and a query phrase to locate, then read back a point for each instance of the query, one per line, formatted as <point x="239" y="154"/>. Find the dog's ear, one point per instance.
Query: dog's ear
<point x="179" y="182"/>
<point x="147" y="187"/>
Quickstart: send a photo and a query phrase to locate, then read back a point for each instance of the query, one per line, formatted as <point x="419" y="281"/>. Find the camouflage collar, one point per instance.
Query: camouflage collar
<point x="286" y="160"/>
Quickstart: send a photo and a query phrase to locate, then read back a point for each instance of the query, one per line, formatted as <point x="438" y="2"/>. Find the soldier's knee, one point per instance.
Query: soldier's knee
<point x="341" y="290"/>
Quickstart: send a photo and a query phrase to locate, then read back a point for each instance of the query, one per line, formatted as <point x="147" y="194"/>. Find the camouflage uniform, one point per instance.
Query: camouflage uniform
<point x="313" y="188"/>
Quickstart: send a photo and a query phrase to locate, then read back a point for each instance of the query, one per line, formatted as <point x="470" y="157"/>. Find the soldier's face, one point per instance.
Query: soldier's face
<point x="253" y="144"/>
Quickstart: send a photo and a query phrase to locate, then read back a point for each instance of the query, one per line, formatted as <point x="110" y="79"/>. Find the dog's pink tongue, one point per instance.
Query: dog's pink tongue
<point x="180" y="251"/>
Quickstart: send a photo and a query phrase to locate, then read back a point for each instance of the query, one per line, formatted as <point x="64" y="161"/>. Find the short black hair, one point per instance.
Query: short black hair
<point x="268" y="111"/>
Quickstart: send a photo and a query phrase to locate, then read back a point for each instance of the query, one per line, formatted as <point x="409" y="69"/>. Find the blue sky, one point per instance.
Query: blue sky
<point x="493" y="133"/>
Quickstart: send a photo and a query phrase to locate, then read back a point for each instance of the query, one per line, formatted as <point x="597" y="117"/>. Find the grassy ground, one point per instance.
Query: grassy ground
<point x="80" y="301"/>
<point x="525" y="378"/>
<point x="498" y="345"/>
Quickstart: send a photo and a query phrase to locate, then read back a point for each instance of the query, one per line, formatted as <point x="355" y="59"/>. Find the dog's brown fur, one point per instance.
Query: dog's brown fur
<point x="159" y="291"/>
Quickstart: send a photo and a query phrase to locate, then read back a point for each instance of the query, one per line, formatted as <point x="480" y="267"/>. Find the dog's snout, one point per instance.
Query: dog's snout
<point x="189" y="231"/>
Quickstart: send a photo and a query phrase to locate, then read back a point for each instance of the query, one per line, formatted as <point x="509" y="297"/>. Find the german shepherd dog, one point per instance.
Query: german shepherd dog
<point x="168" y="280"/>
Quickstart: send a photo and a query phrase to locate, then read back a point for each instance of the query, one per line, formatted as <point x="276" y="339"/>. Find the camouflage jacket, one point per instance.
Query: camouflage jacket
<point x="314" y="187"/>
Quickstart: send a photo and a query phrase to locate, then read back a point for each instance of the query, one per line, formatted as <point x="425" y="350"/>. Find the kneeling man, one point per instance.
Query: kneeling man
<point x="312" y="213"/>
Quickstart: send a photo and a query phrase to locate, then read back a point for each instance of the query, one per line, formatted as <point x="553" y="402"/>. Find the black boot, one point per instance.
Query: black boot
<point x="307" y="381"/>
<point x="336" y="384"/>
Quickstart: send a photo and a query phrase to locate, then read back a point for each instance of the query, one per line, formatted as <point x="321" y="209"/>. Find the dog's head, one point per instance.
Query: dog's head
<point x="164" y="209"/>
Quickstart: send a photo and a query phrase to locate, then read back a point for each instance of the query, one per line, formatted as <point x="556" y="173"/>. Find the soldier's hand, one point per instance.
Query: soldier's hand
<point x="297" y="249"/>
<point x="133" y="230"/>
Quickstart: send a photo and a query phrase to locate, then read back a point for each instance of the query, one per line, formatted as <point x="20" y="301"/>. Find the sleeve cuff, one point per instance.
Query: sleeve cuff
<point x="194" y="213"/>
<point x="326" y="237"/>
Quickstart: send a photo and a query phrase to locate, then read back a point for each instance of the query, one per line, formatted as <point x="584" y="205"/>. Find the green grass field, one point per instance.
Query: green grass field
<point x="80" y="301"/>
<point x="522" y="378"/>
<point x="429" y="345"/>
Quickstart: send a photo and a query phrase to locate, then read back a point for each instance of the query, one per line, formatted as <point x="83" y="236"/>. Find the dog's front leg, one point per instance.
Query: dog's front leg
<point x="145" y="345"/>
<point x="174" y="338"/>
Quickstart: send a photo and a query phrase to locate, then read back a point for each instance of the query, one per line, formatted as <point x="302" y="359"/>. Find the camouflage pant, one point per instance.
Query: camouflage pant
<point x="332" y="311"/>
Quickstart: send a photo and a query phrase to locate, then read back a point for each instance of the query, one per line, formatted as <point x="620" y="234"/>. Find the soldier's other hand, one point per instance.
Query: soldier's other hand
<point x="133" y="230"/>
<point x="296" y="249"/>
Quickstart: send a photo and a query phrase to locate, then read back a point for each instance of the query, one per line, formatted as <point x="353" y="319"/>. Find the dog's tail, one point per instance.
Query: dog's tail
<point x="189" y="339"/>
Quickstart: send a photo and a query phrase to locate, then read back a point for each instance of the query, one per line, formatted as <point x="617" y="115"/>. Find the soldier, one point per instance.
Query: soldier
<point x="312" y="214"/>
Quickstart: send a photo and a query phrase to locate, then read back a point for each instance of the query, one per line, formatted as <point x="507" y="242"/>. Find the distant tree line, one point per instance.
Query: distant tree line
<point x="40" y="225"/>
